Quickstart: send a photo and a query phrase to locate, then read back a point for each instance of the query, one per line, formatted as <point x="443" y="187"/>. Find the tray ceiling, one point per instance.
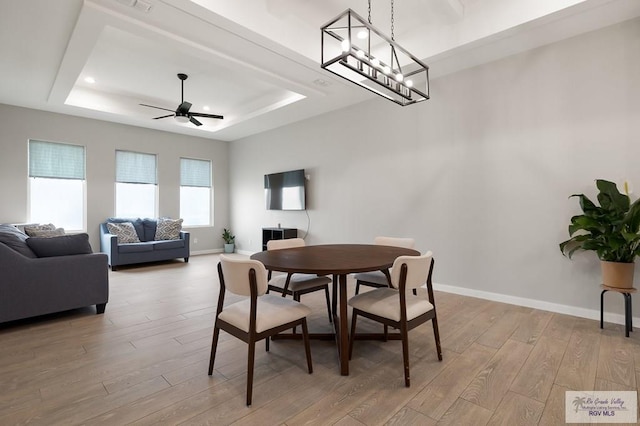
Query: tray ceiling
<point x="256" y="63"/>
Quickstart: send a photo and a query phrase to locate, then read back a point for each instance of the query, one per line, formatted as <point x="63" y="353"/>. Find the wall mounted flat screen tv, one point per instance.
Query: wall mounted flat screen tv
<point x="285" y="191"/>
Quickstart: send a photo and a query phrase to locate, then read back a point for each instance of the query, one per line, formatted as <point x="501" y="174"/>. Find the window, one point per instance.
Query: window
<point x="57" y="184"/>
<point x="136" y="184"/>
<point x="195" y="191"/>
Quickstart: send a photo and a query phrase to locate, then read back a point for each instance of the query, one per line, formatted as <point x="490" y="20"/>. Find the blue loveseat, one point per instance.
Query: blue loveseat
<point x="147" y="250"/>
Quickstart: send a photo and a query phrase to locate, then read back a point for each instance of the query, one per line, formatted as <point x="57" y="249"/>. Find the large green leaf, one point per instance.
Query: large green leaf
<point x="610" y="198"/>
<point x="585" y="223"/>
<point x="585" y="203"/>
<point x="632" y="218"/>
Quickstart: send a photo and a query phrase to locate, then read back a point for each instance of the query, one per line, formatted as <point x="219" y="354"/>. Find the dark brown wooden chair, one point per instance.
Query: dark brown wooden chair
<point x="297" y="284"/>
<point x="397" y="307"/>
<point x="257" y="317"/>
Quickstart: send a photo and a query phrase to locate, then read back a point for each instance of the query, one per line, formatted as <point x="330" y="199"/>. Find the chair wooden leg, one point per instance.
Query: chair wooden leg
<point x="357" y="287"/>
<point x="386" y="332"/>
<point x="296" y="297"/>
<point x="250" y="362"/>
<point x="334" y="292"/>
<point x="307" y="347"/>
<point x="214" y="346"/>
<point x="405" y="353"/>
<point x="266" y="344"/>
<point x="326" y="294"/>
<point x="352" y="337"/>
<point x="436" y="334"/>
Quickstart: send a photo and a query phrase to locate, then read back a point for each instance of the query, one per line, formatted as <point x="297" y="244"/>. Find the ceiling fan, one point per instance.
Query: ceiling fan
<point x="182" y="113"/>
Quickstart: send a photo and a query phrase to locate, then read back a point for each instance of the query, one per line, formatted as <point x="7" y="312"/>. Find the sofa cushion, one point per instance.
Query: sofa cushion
<point x="168" y="244"/>
<point x="149" y="226"/>
<point x="137" y="224"/>
<point x="45" y="231"/>
<point x="124" y="231"/>
<point x="64" y="245"/>
<point x="168" y="229"/>
<point x="135" y="247"/>
<point x="15" y="239"/>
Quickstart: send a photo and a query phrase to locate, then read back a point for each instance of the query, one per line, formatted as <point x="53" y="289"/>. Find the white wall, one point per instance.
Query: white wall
<point x="480" y="174"/>
<point x="101" y="139"/>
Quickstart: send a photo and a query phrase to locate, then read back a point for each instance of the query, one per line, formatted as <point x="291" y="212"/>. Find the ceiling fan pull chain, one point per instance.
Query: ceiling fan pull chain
<point x="393" y="37"/>
<point x="370" y="23"/>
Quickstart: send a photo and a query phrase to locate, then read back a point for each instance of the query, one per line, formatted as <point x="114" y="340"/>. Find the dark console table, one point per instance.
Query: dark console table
<point x="277" y="234"/>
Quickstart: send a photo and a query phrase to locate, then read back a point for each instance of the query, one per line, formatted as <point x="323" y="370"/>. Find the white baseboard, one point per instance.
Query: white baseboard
<point x="214" y="251"/>
<point x="533" y="303"/>
<point x="210" y="251"/>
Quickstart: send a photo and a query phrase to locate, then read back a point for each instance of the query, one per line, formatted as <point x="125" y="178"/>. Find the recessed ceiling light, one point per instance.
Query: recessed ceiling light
<point x="206" y="108"/>
<point x="321" y="82"/>
<point x="90" y="80"/>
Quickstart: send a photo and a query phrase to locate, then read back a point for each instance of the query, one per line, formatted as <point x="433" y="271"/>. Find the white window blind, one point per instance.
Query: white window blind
<point x="56" y="160"/>
<point x="195" y="192"/>
<point x="57" y="184"/>
<point x="136" y="184"/>
<point x="196" y="173"/>
<point x="135" y="167"/>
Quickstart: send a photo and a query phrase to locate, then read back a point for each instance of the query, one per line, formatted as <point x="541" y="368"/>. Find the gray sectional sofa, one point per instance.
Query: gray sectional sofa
<point x="58" y="280"/>
<point x="147" y="250"/>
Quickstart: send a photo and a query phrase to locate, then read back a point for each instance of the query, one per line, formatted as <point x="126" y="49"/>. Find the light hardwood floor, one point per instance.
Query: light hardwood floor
<point x="145" y="362"/>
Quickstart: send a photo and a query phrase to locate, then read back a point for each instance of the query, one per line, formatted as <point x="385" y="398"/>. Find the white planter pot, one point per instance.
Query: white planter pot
<point x="229" y="248"/>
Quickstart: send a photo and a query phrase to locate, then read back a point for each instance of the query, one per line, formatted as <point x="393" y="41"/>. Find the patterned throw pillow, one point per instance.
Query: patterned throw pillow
<point x="125" y="232"/>
<point x="168" y="229"/>
<point x="43" y="231"/>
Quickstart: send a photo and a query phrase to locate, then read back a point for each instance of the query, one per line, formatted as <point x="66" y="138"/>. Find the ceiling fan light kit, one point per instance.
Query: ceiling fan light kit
<point x="355" y="50"/>
<point x="182" y="114"/>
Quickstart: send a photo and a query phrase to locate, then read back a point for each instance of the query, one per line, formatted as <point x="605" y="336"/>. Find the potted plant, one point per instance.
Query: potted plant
<point x="611" y="229"/>
<point x="229" y="241"/>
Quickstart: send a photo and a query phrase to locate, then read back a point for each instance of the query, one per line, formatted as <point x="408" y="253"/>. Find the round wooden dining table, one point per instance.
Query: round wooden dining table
<point x="337" y="260"/>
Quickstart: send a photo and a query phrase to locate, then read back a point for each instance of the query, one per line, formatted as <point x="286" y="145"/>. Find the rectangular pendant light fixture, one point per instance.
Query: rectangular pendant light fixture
<point x="355" y="50"/>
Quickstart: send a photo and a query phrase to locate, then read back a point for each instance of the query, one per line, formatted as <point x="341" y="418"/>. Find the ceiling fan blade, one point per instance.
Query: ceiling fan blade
<point x="164" y="116"/>
<point x="199" y="114"/>
<point x="184" y="107"/>
<point x="151" y="106"/>
<point x="194" y="121"/>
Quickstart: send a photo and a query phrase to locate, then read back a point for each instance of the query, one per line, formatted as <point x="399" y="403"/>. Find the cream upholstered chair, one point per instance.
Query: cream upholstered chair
<point x="381" y="278"/>
<point x="258" y="316"/>
<point x="397" y="307"/>
<point x="297" y="284"/>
